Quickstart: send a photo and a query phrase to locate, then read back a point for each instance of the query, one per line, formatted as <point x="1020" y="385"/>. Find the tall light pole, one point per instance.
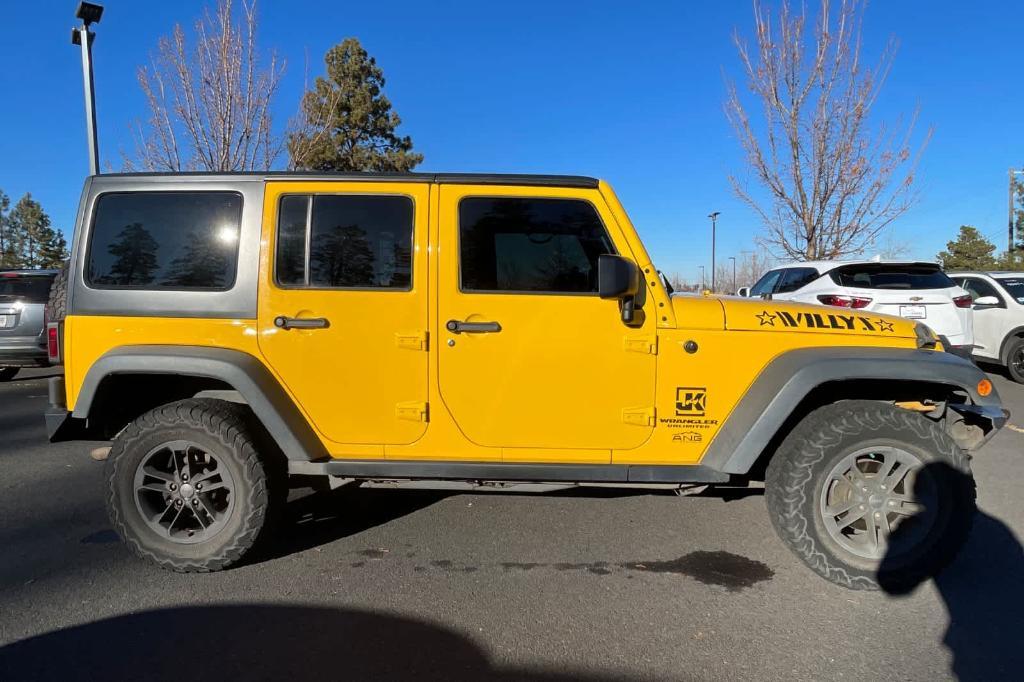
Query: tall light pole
<point x="89" y="13"/>
<point x="733" y="259"/>
<point x="701" y="278"/>
<point x="714" y="218"/>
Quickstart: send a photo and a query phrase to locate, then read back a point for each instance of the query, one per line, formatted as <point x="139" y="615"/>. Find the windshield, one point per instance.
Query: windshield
<point x="27" y="288"/>
<point x="891" y="276"/>
<point x="1014" y="286"/>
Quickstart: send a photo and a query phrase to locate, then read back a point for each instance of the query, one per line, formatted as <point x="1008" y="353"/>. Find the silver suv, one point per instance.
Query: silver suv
<point x="23" y="298"/>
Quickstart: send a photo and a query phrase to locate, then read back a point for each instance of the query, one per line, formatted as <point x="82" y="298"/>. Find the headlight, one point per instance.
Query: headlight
<point x="926" y="338"/>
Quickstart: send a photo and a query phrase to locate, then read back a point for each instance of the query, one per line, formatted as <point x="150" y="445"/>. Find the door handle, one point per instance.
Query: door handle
<point x="282" y="322"/>
<point x="457" y="327"/>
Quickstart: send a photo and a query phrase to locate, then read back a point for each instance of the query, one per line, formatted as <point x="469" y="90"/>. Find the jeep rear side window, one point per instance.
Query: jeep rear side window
<point x="530" y="245"/>
<point x="345" y="241"/>
<point x="164" y="240"/>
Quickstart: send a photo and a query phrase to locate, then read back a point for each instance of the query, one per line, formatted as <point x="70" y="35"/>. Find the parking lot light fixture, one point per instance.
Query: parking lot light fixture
<point x="714" y="219"/>
<point x="89" y="13"/>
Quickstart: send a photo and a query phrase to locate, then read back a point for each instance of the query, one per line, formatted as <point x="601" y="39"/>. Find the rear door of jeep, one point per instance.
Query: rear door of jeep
<point x="343" y="306"/>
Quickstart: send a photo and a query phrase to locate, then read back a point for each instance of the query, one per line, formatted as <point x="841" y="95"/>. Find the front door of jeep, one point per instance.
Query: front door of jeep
<point x="531" y="360"/>
<point x="343" y="305"/>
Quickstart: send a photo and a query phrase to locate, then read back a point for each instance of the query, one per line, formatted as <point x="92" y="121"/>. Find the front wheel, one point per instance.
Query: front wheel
<point x="188" y="489"/>
<point x="867" y="493"/>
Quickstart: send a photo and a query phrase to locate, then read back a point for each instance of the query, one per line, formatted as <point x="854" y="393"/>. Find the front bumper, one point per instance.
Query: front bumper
<point x="990" y="418"/>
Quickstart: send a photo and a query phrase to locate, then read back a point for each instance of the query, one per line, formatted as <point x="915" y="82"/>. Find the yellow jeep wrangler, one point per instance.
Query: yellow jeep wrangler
<point x="229" y="330"/>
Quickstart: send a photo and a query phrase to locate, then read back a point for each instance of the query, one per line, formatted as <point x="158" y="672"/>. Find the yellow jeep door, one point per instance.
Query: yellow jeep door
<point x="530" y="359"/>
<point x="343" y="305"/>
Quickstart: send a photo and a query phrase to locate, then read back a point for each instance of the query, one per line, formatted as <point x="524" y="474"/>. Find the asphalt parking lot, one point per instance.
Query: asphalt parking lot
<point x="593" y="584"/>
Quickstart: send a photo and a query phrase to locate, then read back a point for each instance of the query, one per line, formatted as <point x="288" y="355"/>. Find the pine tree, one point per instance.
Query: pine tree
<point x="346" y="122"/>
<point x="33" y="241"/>
<point x="970" y="251"/>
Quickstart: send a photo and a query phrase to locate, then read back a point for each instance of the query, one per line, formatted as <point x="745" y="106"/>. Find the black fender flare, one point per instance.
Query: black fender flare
<point x="783" y="384"/>
<point x="243" y="372"/>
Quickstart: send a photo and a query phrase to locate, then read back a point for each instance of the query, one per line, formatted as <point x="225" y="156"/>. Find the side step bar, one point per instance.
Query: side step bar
<point x="503" y="471"/>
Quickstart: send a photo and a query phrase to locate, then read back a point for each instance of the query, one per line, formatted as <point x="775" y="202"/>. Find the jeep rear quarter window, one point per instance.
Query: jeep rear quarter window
<point x="164" y="240"/>
<point x="354" y="241"/>
<point x="530" y="245"/>
<point x="891" y="276"/>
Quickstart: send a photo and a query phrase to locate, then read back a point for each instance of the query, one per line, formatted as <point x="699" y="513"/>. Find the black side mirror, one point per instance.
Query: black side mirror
<point x="618" y="278"/>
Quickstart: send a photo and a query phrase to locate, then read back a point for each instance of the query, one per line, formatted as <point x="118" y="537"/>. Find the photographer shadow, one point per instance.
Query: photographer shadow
<point x="983" y="590"/>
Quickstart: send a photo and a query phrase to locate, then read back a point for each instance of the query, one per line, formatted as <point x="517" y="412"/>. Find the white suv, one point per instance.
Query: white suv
<point x="998" y="317"/>
<point x="915" y="290"/>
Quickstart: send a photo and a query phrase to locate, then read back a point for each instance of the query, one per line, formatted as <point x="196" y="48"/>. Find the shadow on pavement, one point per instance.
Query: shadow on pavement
<point x="321" y="517"/>
<point x="260" y="642"/>
<point x="983" y="589"/>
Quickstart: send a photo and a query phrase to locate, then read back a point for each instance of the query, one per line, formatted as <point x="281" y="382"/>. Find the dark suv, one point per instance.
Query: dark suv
<point x="23" y="298"/>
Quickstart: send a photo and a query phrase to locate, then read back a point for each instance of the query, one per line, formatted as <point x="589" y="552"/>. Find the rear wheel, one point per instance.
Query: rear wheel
<point x="1015" y="360"/>
<point x="867" y="493"/>
<point x="187" y="488"/>
<point x="7" y="373"/>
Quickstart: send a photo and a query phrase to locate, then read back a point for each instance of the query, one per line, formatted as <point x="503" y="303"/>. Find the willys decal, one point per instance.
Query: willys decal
<point x="824" y="321"/>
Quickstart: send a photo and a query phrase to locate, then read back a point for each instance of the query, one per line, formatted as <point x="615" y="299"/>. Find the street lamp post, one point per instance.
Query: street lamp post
<point x="733" y="259"/>
<point x="714" y="218"/>
<point x="89" y="13"/>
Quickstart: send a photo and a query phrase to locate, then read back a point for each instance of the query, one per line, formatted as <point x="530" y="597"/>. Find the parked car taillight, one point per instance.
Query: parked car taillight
<point x="964" y="301"/>
<point x="844" y="301"/>
<point x="53" y="343"/>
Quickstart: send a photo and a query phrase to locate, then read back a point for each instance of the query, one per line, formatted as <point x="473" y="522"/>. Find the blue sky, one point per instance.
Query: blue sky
<point x="630" y="92"/>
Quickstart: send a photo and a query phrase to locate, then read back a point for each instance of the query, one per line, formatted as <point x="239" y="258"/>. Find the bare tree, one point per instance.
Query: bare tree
<point x="209" y="103"/>
<point x="833" y="180"/>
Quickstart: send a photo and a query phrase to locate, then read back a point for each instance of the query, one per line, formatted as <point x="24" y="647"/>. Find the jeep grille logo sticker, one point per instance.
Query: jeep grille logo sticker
<point x="691" y="401"/>
<point x="824" y="321"/>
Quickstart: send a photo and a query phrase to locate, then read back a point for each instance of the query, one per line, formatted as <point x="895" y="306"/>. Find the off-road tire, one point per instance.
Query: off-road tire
<point x="1012" y="368"/>
<point x="797" y="471"/>
<point x="260" y="483"/>
<point x="8" y="373"/>
<point x="57" y="305"/>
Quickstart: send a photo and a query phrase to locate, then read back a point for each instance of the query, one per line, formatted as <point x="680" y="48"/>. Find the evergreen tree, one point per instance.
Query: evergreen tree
<point x="33" y="243"/>
<point x="346" y="122"/>
<point x="969" y="251"/>
<point x="134" y="255"/>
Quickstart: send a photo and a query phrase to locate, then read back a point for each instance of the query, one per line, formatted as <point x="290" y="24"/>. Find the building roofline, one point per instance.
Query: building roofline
<point x="442" y="178"/>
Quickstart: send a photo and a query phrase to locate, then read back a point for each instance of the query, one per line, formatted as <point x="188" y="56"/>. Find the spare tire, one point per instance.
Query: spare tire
<point x="57" y="306"/>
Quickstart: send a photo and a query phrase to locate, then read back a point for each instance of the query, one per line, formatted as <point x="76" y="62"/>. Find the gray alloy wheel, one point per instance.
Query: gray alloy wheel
<point x="869" y="493"/>
<point x="191" y="485"/>
<point x="183" y="492"/>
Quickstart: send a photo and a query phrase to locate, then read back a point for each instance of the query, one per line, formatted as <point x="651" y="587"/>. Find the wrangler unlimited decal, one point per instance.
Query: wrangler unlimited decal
<point x="824" y="321"/>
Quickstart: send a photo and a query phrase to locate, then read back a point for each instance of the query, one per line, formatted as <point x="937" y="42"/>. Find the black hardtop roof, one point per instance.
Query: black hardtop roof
<point x="446" y="178"/>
